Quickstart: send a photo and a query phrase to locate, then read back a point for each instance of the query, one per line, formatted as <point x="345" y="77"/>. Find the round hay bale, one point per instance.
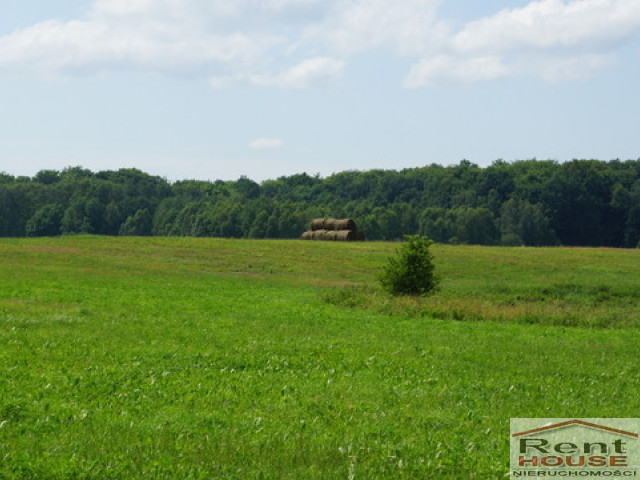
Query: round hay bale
<point x="306" y="235"/>
<point x="344" y="224"/>
<point x="330" y="224"/>
<point x="317" y="224"/>
<point x="318" y="234"/>
<point x="331" y="235"/>
<point x="345" y="235"/>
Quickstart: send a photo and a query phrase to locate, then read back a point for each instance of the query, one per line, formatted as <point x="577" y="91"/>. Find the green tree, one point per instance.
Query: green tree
<point x="632" y="231"/>
<point x="14" y="210"/>
<point x="247" y="188"/>
<point x="436" y="223"/>
<point x="113" y="218"/>
<point x="579" y="199"/>
<point x="138" y="224"/>
<point x="74" y="219"/>
<point x="476" y="226"/>
<point x="6" y="178"/>
<point x="524" y="224"/>
<point x="259" y="225"/>
<point x="371" y="226"/>
<point x="411" y="271"/>
<point x="291" y="223"/>
<point x="45" y="222"/>
<point x="47" y="177"/>
<point x="389" y="222"/>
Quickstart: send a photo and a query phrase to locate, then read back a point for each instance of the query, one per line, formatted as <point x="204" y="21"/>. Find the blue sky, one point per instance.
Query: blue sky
<point x="216" y="89"/>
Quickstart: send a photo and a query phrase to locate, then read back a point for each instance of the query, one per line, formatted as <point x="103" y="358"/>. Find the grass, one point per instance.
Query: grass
<point x="206" y="358"/>
<point x="550" y="286"/>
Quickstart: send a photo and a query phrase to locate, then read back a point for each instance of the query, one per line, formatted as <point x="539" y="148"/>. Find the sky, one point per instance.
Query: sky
<point x="219" y="89"/>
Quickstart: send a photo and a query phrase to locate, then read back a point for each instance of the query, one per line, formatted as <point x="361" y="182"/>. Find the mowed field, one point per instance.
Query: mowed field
<point x="184" y="358"/>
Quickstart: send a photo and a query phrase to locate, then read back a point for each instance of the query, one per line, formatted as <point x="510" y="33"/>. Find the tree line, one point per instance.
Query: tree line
<point x="531" y="202"/>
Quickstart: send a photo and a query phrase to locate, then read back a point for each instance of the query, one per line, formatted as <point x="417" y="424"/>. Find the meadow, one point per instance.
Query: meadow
<point x="185" y="358"/>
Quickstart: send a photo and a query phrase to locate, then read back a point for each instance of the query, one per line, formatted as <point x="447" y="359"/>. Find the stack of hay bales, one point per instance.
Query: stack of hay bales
<point x="333" y="229"/>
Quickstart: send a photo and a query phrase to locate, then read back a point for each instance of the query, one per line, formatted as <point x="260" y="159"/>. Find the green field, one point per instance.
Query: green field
<point x="183" y="358"/>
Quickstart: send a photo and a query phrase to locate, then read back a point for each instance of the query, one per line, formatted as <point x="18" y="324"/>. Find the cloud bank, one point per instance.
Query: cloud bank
<point x="549" y="39"/>
<point x="309" y="43"/>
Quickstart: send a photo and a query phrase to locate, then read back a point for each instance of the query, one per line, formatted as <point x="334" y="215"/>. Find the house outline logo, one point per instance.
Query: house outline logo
<point x="575" y="447"/>
<point x="574" y="422"/>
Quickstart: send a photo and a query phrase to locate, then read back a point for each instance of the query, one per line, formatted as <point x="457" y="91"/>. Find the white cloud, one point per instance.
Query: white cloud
<point x="313" y="72"/>
<point x="266" y="144"/>
<point x="168" y="36"/>
<point x="225" y="40"/>
<point x="448" y="70"/>
<point x="554" y="69"/>
<point x="98" y="44"/>
<point x="550" y="39"/>
<point x="355" y="25"/>
<point x="317" y="72"/>
<point x="257" y="41"/>
<point x="546" y="24"/>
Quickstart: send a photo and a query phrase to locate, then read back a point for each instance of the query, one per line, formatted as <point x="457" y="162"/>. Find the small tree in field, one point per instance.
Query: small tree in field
<point x="411" y="271"/>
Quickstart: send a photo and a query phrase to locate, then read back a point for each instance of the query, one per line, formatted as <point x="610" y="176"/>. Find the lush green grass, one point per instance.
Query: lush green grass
<point x="552" y="286"/>
<point x="206" y="358"/>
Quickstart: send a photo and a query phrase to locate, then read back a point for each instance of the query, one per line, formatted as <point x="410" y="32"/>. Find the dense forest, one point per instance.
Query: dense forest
<point x="582" y="202"/>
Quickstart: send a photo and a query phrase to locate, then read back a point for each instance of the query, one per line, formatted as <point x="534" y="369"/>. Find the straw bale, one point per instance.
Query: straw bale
<point x="333" y="229"/>
<point x="333" y="224"/>
<point x="345" y="235"/>
<point x="317" y="224"/>
<point x="339" y="224"/>
<point x="318" y="234"/>
<point x="330" y="224"/>
<point x="331" y="235"/>
<point x="344" y="224"/>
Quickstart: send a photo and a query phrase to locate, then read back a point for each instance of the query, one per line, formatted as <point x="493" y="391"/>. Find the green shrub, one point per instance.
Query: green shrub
<point x="411" y="271"/>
